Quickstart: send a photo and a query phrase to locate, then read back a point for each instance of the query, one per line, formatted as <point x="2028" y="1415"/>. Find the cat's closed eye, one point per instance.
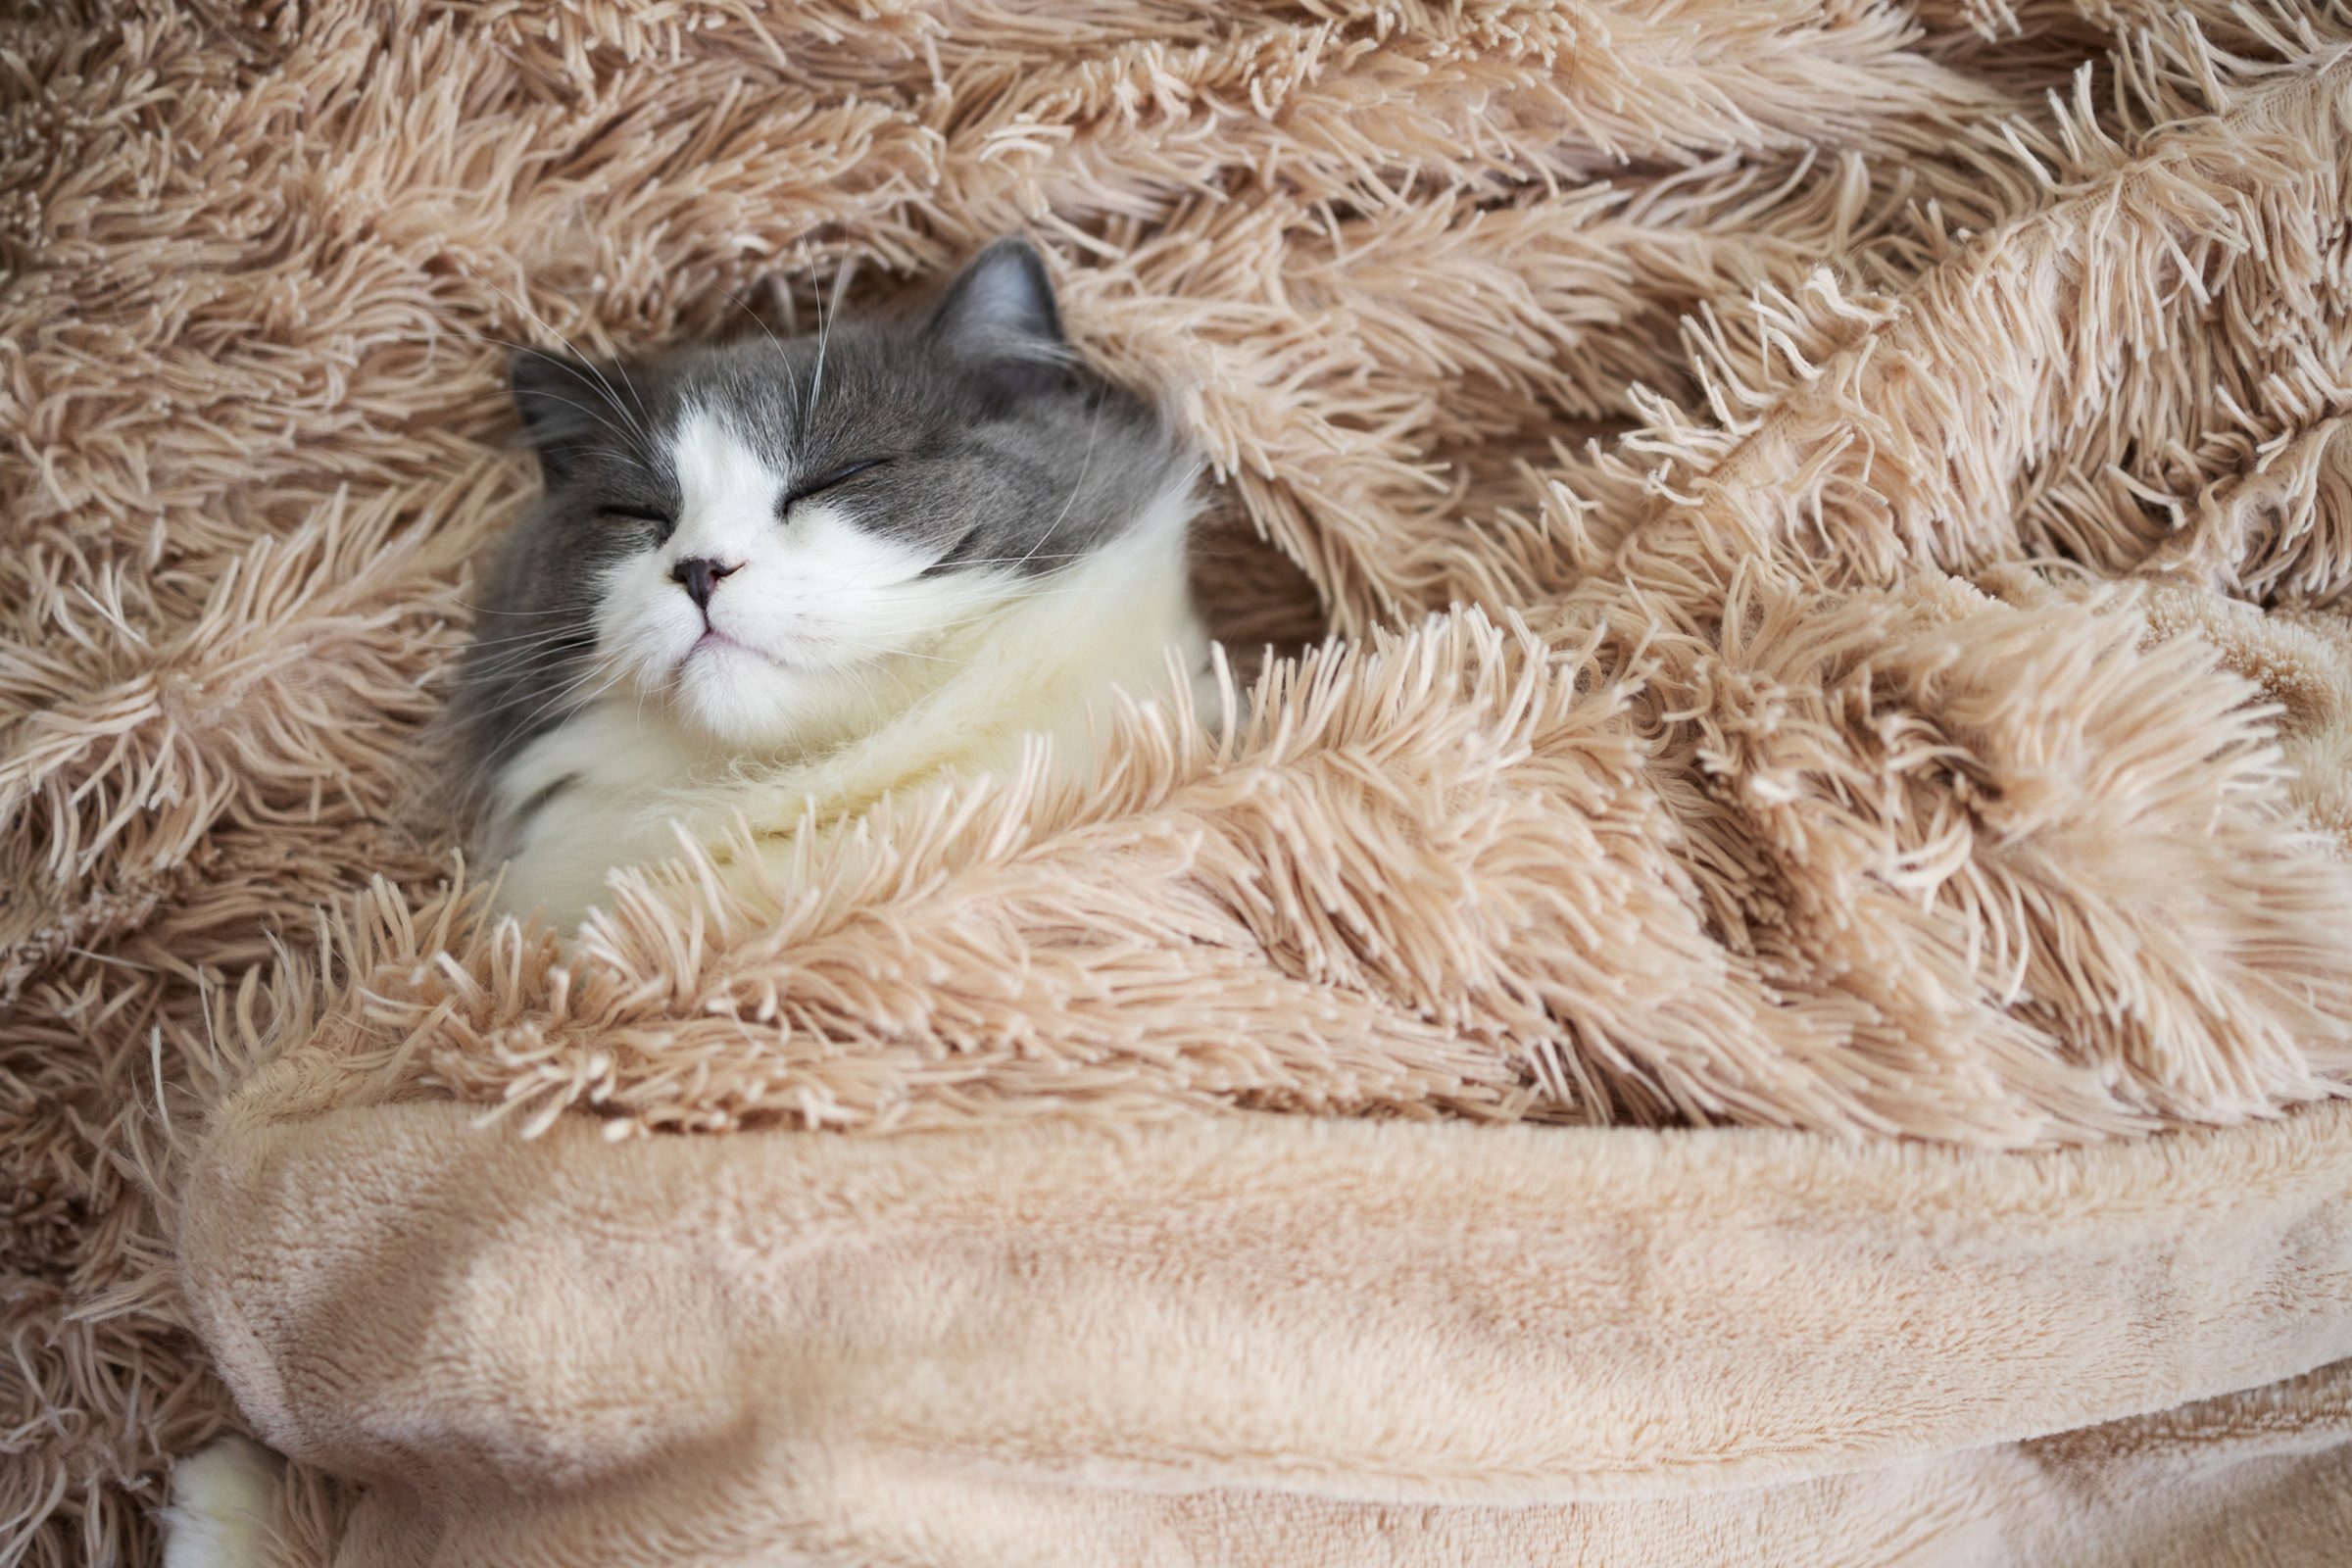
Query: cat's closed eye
<point x="628" y="511"/>
<point x="827" y="481"/>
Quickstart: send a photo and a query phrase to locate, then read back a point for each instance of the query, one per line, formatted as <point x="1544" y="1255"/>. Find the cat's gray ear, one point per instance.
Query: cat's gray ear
<point x="1000" y="306"/>
<point x="566" y="406"/>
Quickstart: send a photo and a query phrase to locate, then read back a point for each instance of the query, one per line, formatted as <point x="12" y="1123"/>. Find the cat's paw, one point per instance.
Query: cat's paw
<point x="223" y="1500"/>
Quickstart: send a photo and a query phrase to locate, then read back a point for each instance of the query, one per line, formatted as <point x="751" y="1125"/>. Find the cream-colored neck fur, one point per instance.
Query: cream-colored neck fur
<point x="1045" y="663"/>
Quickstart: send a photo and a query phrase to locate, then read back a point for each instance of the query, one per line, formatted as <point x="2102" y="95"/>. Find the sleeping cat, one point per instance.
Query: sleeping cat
<point x="787" y="575"/>
<point x="791" y="576"/>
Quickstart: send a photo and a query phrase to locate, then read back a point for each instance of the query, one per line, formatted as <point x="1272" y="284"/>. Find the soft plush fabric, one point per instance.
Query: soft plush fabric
<point x="1806" y="549"/>
<point x="1284" y="1340"/>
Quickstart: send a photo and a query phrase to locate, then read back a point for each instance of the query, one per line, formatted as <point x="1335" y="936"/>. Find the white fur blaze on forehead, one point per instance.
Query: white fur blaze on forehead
<point x="726" y="489"/>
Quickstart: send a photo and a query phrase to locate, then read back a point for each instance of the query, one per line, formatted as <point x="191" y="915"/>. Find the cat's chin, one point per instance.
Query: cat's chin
<point x="745" y="699"/>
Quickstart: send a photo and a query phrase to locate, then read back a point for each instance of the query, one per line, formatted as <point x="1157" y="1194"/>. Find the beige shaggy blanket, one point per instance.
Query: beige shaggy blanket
<point x="1806" y="553"/>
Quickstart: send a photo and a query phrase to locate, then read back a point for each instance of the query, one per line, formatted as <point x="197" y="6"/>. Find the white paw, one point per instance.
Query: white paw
<point x="222" y="1504"/>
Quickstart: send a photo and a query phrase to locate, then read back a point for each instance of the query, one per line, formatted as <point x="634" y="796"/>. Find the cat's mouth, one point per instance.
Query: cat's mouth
<point x="714" y="640"/>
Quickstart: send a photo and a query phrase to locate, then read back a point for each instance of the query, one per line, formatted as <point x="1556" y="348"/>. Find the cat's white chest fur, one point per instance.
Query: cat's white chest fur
<point x="616" y="784"/>
<point x="595" y="778"/>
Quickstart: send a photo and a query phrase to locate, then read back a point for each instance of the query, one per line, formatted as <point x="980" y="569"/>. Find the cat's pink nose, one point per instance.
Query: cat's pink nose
<point x="700" y="576"/>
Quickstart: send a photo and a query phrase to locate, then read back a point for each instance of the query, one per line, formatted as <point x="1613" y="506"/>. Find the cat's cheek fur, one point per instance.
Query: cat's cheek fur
<point x="645" y="625"/>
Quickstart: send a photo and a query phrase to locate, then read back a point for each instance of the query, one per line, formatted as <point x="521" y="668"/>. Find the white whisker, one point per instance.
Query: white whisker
<point x="638" y="425"/>
<point x="824" y="334"/>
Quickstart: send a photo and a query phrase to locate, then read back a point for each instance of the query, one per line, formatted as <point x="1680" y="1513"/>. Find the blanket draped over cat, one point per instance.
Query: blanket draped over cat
<point x="1760" y="974"/>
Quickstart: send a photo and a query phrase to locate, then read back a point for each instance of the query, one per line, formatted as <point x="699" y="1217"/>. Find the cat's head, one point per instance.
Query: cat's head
<point x="748" y="534"/>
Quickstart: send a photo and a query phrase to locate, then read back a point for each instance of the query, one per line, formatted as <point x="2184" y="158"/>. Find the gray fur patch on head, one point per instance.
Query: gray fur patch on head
<point x="967" y="435"/>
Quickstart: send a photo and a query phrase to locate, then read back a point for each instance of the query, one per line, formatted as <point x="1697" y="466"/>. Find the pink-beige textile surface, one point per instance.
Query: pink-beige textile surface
<point x="1807" y="548"/>
<point x="1288" y="1341"/>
